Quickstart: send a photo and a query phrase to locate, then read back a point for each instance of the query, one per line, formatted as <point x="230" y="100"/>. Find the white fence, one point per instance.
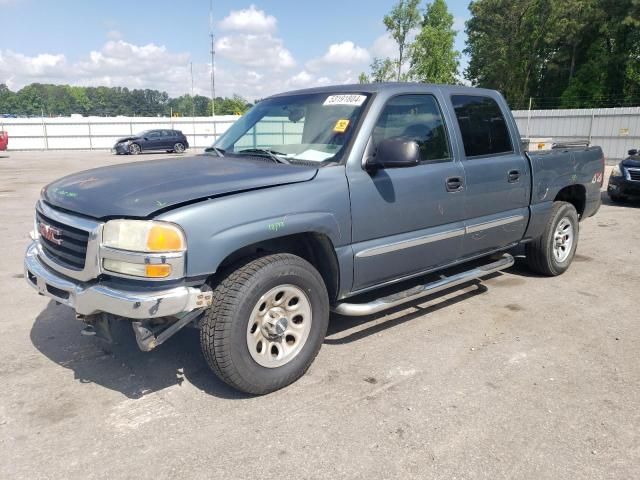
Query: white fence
<point x="99" y="133"/>
<point x="616" y="130"/>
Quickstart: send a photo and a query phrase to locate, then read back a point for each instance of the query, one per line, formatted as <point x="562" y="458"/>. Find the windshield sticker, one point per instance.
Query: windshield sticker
<point x="355" y="100"/>
<point x="341" y="126"/>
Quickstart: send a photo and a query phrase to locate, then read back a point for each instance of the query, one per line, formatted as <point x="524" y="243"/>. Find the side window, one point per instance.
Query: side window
<point x="154" y="134"/>
<point x="483" y="127"/>
<point x="419" y="118"/>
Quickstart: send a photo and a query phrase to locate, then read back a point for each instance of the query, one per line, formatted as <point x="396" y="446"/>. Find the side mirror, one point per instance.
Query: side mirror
<point x="395" y="152"/>
<point x="633" y="152"/>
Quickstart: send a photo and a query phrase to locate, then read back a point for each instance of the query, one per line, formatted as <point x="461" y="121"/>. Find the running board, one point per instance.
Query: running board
<point x="385" y="303"/>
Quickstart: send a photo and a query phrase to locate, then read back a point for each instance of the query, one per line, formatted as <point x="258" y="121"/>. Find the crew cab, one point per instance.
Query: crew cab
<point x="308" y="201"/>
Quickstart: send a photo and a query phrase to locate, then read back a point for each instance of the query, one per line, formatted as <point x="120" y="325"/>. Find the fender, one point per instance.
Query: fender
<point x="221" y="226"/>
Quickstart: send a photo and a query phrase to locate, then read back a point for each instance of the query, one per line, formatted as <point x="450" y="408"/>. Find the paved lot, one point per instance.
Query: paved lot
<point x="518" y="377"/>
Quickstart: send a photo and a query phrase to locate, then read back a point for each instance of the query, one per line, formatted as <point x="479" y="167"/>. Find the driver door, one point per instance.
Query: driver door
<point x="407" y="220"/>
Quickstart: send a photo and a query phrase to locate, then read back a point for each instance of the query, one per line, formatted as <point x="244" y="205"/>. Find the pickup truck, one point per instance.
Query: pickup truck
<point x="308" y="201"/>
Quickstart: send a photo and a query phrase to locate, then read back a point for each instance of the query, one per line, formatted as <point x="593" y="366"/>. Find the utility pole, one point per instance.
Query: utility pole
<point x="213" y="60"/>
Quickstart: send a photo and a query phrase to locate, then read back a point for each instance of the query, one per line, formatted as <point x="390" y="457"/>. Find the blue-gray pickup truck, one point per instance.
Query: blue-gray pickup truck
<point x="314" y="201"/>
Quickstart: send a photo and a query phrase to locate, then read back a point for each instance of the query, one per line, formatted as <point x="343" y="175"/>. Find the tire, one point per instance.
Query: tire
<point x="544" y="254"/>
<point x="179" y="147"/>
<point x="617" y="198"/>
<point x="244" y="299"/>
<point x="134" y="149"/>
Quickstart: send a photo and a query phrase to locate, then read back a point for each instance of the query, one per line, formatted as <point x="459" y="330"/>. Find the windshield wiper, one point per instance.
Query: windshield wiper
<point x="218" y="151"/>
<point x="272" y="154"/>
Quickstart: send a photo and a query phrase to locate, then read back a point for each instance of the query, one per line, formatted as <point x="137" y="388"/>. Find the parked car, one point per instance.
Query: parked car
<point x="624" y="180"/>
<point x="167" y="140"/>
<point x="309" y="200"/>
<point x="4" y="140"/>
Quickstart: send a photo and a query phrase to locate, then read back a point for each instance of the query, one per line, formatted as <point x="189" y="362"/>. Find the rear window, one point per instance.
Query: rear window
<point x="483" y="127"/>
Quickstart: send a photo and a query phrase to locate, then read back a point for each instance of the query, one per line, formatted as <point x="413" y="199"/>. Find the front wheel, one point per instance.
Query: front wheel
<point x="617" y="198"/>
<point x="551" y="254"/>
<point x="134" y="149"/>
<point x="267" y="322"/>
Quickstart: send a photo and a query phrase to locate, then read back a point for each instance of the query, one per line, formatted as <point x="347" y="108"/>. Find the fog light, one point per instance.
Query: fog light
<point x="158" y="271"/>
<point x="137" y="269"/>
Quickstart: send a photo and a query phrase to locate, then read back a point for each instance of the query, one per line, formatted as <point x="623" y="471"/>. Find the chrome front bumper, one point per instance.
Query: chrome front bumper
<point x="87" y="298"/>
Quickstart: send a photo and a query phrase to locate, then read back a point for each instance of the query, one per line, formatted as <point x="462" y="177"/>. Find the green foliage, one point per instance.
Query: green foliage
<point x="403" y="17"/>
<point x="433" y="57"/>
<point x="62" y="100"/>
<point x="561" y="53"/>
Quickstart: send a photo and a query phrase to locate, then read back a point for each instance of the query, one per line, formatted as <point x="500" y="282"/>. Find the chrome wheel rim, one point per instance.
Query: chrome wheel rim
<point x="134" y="148"/>
<point x="563" y="240"/>
<point x="279" y="326"/>
<point x="178" y="148"/>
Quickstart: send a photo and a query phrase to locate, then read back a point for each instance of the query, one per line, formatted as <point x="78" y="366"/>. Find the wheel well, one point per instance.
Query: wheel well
<point x="315" y="248"/>
<point x="576" y="195"/>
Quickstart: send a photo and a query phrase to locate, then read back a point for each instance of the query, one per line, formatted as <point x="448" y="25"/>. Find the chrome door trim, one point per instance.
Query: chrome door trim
<point x="436" y="237"/>
<point x="414" y="242"/>
<point x="478" y="227"/>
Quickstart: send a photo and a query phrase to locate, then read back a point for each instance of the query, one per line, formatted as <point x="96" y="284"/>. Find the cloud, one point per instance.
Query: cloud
<point x="249" y="20"/>
<point x="252" y="50"/>
<point x="345" y="53"/>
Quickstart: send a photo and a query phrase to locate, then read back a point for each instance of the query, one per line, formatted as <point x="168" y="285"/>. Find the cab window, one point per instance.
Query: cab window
<point x="482" y="125"/>
<point x="418" y="118"/>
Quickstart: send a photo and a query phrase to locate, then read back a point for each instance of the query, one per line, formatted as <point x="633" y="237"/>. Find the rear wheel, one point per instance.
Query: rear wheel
<point x="178" y="147"/>
<point x="551" y="254"/>
<point x="267" y="322"/>
<point x="134" y="149"/>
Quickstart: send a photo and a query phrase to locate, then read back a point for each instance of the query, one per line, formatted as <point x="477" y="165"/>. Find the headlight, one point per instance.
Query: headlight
<point x="143" y="236"/>
<point x="616" y="172"/>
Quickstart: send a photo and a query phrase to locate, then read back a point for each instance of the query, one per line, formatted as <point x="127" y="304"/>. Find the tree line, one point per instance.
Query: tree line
<point x="543" y="53"/>
<point x="39" y="99"/>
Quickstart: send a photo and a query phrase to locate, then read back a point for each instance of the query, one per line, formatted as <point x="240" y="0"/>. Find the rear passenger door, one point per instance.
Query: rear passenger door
<point x="407" y="220"/>
<point x="497" y="174"/>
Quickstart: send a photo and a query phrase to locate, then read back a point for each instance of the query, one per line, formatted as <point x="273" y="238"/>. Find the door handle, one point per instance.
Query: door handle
<point x="454" y="184"/>
<point x="513" y="176"/>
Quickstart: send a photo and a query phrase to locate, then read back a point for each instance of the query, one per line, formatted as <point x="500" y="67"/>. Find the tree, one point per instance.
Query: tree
<point x="562" y="53"/>
<point x="433" y="57"/>
<point x="404" y="17"/>
<point x="382" y="70"/>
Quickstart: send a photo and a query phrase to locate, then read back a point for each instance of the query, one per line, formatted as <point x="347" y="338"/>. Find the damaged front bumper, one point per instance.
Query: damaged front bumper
<point x="89" y="298"/>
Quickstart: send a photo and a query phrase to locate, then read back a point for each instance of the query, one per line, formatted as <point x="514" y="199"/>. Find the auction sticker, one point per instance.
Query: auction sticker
<point x="341" y="126"/>
<point x="355" y="100"/>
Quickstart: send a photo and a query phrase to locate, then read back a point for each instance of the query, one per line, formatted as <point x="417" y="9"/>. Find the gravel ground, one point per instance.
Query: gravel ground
<point x="515" y="377"/>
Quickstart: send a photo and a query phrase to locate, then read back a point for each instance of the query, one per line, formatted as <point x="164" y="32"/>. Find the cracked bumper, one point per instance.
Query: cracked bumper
<point x="92" y="297"/>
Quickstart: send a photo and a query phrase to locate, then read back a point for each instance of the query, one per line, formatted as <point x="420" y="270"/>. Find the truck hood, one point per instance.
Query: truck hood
<point x="140" y="189"/>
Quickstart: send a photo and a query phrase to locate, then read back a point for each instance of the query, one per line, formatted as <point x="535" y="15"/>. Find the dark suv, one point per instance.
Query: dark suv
<point x="168" y="140"/>
<point x="624" y="180"/>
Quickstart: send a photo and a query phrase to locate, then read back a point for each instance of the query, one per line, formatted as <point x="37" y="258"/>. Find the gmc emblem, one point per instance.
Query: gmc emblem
<point x="50" y="233"/>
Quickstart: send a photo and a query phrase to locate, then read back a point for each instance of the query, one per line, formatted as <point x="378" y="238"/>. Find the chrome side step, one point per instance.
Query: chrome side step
<point x="384" y="303"/>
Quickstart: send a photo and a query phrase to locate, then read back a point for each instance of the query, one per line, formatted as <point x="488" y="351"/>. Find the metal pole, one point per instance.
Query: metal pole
<point x="44" y="130"/>
<point x="90" y="140"/>
<point x="529" y="116"/>
<point x="193" y="108"/>
<point x="591" y="125"/>
<point x="213" y="61"/>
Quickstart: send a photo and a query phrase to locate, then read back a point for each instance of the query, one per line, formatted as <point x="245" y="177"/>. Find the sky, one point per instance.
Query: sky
<point x="262" y="46"/>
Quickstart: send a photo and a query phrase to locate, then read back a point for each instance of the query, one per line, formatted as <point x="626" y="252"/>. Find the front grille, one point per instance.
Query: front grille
<point x="634" y="175"/>
<point x="72" y="251"/>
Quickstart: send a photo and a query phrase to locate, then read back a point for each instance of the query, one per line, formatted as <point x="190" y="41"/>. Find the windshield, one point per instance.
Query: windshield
<point x="308" y="128"/>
